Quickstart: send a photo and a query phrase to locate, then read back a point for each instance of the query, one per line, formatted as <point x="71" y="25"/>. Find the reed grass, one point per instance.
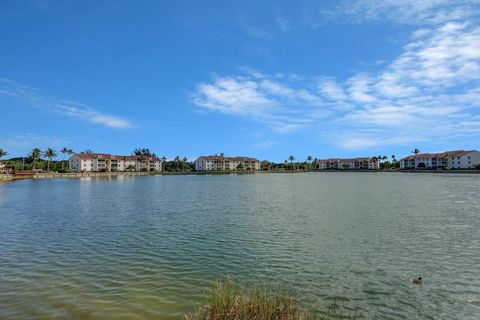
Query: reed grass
<point x="228" y="300"/>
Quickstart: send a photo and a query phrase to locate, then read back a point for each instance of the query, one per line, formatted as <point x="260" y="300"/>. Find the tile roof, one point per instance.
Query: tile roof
<point x="453" y="153"/>
<point x="222" y="158"/>
<point x="106" y="156"/>
<point x="345" y="160"/>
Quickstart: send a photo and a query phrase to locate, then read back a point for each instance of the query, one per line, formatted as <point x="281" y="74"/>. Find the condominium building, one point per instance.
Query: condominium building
<point x="456" y="159"/>
<point x="348" y="164"/>
<point x="221" y="163"/>
<point x="106" y="162"/>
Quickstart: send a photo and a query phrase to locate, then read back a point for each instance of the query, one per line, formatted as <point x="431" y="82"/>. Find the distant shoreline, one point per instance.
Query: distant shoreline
<point x="73" y="175"/>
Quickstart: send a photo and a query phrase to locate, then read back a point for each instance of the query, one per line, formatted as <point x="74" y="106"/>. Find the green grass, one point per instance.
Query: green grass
<point x="228" y="300"/>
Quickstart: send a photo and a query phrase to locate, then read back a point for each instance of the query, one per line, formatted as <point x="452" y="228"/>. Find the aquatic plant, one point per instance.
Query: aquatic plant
<point x="228" y="300"/>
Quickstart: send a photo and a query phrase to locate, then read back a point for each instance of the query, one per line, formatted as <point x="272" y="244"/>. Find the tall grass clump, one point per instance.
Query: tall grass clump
<point x="228" y="300"/>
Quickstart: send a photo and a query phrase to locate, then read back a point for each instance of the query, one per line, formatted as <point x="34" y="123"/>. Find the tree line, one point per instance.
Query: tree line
<point x="38" y="159"/>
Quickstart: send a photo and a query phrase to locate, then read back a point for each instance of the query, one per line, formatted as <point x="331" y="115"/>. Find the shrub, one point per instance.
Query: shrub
<point x="477" y="166"/>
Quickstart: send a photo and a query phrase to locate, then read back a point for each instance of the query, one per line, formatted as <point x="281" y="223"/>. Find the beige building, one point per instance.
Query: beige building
<point x="107" y="162"/>
<point x="348" y="164"/>
<point x="456" y="159"/>
<point x="221" y="163"/>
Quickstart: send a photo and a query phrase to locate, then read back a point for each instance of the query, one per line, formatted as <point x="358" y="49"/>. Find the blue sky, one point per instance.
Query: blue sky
<point x="270" y="79"/>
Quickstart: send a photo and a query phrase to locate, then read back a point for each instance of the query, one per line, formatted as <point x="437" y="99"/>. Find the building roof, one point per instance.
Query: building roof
<point x="445" y="154"/>
<point x="345" y="160"/>
<point x="222" y="158"/>
<point x="106" y="156"/>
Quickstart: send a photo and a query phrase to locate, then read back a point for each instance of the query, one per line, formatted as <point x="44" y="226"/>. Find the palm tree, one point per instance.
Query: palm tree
<point x="416" y="151"/>
<point x="222" y="154"/>
<point x="184" y="162"/>
<point x="309" y="160"/>
<point x="35" y="155"/>
<point x="394" y="161"/>
<point x="164" y="161"/>
<point x="291" y="158"/>
<point x="3" y="153"/>
<point x="69" y="152"/>
<point x="64" y="151"/>
<point x="177" y="159"/>
<point x="50" y="154"/>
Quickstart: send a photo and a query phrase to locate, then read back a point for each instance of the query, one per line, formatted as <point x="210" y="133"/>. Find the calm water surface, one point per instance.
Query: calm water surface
<point x="149" y="247"/>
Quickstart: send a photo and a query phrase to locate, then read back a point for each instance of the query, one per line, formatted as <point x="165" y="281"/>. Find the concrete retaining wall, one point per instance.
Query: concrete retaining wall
<point x="86" y="175"/>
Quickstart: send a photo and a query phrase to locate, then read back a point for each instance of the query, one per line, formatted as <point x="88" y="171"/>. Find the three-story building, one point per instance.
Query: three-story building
<point x="103" y="162"/>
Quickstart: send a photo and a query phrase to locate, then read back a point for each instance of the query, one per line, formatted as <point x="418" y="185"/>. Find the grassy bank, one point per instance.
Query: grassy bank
<point x="228" y="300"/>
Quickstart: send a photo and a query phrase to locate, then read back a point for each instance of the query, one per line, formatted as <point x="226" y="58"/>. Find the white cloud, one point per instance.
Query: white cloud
<point x="413" y="12"/>
<point x="284" y="24"/>
<point x="39" y="100"/>
<point x="282" y="107"/>
<point x="331" y="89"/>
<point x="429" y="92"/>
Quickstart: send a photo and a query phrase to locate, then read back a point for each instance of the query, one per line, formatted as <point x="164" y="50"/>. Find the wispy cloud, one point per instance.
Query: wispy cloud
<point x="431" y="91"/>
<point x="267" y="99"/>
<point x="24" y="140"/>
<point x="412" y="12"/>
<point x="35" y="98"/>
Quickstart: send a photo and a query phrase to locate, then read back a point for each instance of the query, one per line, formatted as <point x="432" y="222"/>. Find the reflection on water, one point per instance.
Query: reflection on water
<point x="148" y="247"/>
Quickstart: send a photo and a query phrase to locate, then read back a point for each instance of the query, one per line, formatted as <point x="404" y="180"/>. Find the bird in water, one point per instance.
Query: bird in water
<point x="417" y="280"/>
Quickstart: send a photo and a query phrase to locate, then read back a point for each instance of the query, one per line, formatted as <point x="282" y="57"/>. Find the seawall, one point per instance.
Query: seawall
<point x="51" y="175"/>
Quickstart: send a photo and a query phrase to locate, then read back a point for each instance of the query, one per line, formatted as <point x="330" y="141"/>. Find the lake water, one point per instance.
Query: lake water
<point x="149" y="247"/>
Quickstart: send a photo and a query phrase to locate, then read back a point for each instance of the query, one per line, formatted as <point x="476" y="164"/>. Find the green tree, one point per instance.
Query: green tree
<point x="177" y="160"/>
<point x="3" y="153"/>
<point x="416" y="151"/>
<point x="184" y="163"/>
<point x="50" y="154"/>
<point x="309" y="161"/>
<point x="143" y="152"/>
<point x="65" y="151"/>
<point x="291" y="158"/>
<point x="35" y="156"/>
<point x="164" y="162"/>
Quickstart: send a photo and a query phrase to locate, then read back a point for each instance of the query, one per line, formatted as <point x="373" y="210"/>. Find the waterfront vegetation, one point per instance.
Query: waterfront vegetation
<point x="228" y="300"/>
<point x="39" y="160"/>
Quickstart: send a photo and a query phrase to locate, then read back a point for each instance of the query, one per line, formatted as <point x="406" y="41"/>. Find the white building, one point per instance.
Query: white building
<point x="348" y="164"/>
<point x="457" y="159"/>
<point x="107" y="162"/>
<point x="221" y="163"/>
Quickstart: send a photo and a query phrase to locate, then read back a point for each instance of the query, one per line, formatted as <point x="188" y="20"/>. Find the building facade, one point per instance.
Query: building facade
<point x="348" y="164"/>
<point x="102" y="162"/>
<point x="457" y="159"/>
<point x="221" y="163"/>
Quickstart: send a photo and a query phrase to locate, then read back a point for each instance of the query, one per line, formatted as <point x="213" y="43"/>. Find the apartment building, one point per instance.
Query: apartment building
<point x="456" y="159"/>
<point x="348" y="164"/>
<point x="221" y="163"/>
<point x="107" y="162"/>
